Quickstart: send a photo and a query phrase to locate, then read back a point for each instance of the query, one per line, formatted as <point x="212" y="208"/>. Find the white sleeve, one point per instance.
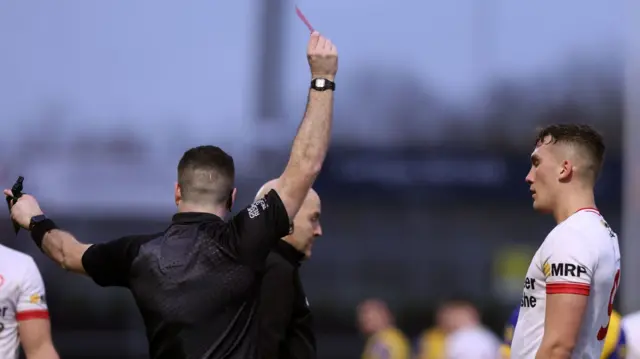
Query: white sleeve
<point x="31" y="300"/>
<point x="568" y="263"/>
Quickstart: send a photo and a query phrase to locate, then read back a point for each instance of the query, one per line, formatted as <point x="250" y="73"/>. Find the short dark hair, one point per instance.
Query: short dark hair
<point x="583" y="136"/>
<point x="206" y="174"/>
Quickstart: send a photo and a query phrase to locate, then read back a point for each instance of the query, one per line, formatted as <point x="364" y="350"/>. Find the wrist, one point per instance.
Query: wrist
<point x="326" y="77"/>
<point x="40" y="225"/>
<point x="35" y="219"/>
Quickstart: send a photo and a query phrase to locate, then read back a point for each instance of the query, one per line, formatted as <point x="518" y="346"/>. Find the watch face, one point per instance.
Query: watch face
<point x="320" y="82"/>
<point x="38" y="218"/>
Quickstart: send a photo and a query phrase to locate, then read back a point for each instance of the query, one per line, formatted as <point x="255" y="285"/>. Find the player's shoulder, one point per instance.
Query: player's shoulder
<point x="130" y="244"/>
<point x="14" y="258"/>
<point x="584" y="225"/>
<point x="588" y="221"/>
<point x="15" y="266"/>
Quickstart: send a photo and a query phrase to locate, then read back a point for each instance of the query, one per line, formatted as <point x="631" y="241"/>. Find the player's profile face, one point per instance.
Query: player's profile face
<point x="541" y="177"/>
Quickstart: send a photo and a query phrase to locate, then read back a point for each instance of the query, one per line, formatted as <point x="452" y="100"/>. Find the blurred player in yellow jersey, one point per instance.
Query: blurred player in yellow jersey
<point x="384" y="340"/>
<point x="614" y="342"/>
<point x="432" y="342"/>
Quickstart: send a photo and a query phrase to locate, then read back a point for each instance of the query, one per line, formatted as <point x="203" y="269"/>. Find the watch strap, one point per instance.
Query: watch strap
<point x="322" y="84"/>
<point x="40" y="228"/>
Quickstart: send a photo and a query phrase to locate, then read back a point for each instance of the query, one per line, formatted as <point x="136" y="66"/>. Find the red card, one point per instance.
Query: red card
<point x="304" y="19"/>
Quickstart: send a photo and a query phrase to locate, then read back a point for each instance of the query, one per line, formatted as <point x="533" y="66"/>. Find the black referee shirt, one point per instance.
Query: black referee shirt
<point x="285" y="318"/>
<point x="197" y="283"/>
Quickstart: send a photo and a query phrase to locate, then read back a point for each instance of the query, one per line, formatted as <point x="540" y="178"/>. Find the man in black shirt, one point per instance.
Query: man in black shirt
<point x="283" y="312"/>
<point x="197" y="283"/>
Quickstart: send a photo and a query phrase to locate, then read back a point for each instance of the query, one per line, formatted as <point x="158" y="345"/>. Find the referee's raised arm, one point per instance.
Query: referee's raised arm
<point x="262" y="224"/>
<point x="312" y="141"/>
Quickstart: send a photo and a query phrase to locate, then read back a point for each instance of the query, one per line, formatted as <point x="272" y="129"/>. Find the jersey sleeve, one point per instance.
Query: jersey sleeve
<point x="108" y="263"/>
<point x="32" y="303"/>
<point x="258" y="227"/>
<point x="568" y="263"/>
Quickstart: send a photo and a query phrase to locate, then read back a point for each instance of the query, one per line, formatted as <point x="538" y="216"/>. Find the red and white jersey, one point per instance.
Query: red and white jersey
<point x="580" y="256"/>
<point x="22" y="297"/>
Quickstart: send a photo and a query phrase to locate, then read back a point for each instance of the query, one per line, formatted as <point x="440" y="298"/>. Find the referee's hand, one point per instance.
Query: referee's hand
<point x="323" y="57"/>
<point x="24" y="209"/>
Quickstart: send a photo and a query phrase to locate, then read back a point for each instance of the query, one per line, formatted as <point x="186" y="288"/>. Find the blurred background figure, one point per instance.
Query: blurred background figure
<point x="631" y="325"/>
<point x="431" y="343"/>
<point x="384" y="339"/>
<point x="615" y="343"/>
<point x="507" y="335"/>
<point x="467" y="337"/>
<point x="458" y="334"/>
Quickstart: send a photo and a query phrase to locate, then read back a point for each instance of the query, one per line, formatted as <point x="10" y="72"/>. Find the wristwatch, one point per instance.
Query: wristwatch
<point x="321" y="84"/>
<point x="35" y="220"/>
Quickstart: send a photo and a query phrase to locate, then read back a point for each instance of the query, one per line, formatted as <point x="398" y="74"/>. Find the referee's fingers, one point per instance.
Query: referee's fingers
<point x="7" y="192"/>
<point x="313" y="41"/>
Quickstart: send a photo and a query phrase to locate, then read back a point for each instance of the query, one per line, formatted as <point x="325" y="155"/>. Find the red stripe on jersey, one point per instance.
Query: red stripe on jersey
<point x="568" y="288"/>
<point x="32" y="314"/>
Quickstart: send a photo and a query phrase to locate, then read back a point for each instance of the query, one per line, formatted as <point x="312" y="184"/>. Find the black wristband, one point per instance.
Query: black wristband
<point x="38" y="230"/>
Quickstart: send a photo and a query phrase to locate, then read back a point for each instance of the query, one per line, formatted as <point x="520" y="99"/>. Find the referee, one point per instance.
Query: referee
<point x="284" y="314"/>
<point x="197" y="283"/>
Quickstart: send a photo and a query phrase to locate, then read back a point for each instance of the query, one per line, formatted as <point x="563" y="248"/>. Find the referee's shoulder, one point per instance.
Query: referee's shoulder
<point x="132" y="243"/>
<point x="139" y="239"/>
<point x="276" y="262"/>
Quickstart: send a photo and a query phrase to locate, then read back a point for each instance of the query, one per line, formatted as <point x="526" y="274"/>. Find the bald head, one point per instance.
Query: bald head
<point x="306" y="224"/>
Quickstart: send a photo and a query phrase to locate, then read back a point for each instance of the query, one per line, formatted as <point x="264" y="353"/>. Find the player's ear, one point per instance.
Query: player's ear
<point x="566" y="171"/>
<point x="177" y="193"/>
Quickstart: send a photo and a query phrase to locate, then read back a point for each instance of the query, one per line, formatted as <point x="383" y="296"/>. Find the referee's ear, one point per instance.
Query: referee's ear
<point x="232" y="199"/>
<point x="177" y="193"/>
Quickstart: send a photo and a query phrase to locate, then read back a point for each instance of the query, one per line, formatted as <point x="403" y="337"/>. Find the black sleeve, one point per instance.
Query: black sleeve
<point x="275" y="309"/>
<point x="257" y="228"/>
<point x="108" y="263"/>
